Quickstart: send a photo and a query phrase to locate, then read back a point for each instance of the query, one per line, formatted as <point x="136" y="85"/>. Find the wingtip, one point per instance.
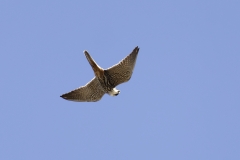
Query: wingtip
<point x="62" y="96"/>
<point x="136" y="49"/>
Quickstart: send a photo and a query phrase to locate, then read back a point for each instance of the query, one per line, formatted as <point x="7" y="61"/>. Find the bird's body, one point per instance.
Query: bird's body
<point x="104" y="81"/>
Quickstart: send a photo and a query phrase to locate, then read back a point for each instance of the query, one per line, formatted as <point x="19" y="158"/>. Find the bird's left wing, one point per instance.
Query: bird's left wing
<point x="91" y="92"/>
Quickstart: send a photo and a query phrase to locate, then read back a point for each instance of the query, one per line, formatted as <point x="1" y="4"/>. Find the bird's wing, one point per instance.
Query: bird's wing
<point x="122" y="71"/>
<point x="91" y="92"/>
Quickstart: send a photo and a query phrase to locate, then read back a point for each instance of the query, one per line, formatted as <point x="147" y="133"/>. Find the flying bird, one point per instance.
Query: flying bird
<point x="105" y="80"/>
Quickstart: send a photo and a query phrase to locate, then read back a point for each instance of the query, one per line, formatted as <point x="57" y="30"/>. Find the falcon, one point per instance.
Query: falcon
<point x="105" y="80"/>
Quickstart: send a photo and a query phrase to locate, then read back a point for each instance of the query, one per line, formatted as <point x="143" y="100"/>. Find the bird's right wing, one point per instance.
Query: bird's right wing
<point x="91" y="92"/>
<point x="122" y="71"/>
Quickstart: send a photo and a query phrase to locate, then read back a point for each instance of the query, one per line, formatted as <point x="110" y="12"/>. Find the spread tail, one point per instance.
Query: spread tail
<point x="96" y="68"/>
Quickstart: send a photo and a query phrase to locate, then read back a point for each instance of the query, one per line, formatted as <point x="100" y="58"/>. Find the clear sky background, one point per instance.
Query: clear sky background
<point x="182" y="102"/>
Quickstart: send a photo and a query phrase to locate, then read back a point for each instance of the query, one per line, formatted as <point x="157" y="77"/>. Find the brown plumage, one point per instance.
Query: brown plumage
<point x="104" y="81"/>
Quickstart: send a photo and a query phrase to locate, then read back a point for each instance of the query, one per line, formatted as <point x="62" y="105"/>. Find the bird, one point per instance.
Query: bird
<point x="105" y="80"/>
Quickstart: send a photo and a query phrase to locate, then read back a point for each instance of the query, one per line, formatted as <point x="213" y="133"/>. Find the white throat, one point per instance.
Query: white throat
<point x="114" y="92"/>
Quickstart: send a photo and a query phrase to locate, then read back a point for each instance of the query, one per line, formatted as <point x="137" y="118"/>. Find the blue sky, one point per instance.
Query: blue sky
<point x="182" y="102"/>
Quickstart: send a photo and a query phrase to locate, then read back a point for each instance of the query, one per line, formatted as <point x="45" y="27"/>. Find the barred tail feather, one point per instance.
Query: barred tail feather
<point x="96" y="68"/>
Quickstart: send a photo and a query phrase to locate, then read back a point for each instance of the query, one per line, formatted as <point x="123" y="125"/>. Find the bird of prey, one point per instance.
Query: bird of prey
<point x="105" y="80"/>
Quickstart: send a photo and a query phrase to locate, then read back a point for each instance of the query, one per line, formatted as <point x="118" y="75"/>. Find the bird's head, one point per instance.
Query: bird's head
<point x="114" y="92"/>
